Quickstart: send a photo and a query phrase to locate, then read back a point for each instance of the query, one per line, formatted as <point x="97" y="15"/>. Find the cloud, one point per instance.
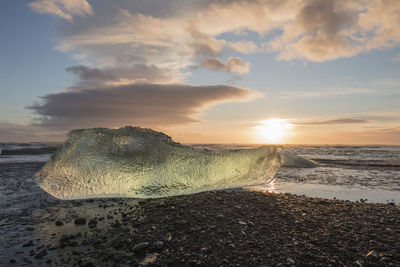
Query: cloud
<point x="149" y="105"/>
<point x="351" y="136"/>
<point x="382" y="136"/>
<point x="244" y="47"/>
<point x="205" y="45"/>
<point x="137" y="73"/>
<point x="380" y="89"/>
<point x="238" y="16"/>
<point x="233" y="64"/>
<point x="317" y="33"/>
<point x="128" y="45"/>
<point x="177" y="34"/>
<point x="334" y="121"/>
<point x="65" y="9"/>
<point x="13" y="132"/>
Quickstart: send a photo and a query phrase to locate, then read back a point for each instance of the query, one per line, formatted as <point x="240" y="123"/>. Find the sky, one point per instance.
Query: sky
<point x="203" y="71"/>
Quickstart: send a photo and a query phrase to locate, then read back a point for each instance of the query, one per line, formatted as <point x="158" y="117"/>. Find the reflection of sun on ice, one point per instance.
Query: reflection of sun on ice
<point x="273" y="131"/>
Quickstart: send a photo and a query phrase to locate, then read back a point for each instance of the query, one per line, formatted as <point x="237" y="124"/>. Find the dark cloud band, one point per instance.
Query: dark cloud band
<point x="336" y="121"/>
<point x="136" y="104"/>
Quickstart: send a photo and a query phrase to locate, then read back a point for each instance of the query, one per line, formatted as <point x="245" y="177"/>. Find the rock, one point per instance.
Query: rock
<point x="372" y="254"/>
<point x="290" y="261"/>
<point x="41" y="254"/>
<point x="59" y="223"/>
<point x="193" y="229"/>
<point x="158" y="245"/>
<point x="51" y="247"/>
<point x="140" y="247"/>
<point x="92" y="223"/>
<point x="360" y="262"/>
<point x="231" y="246"/>
<point x="28" y="244"/>
<point x="85" y="263"/>
<point x="80" y="221"/>
<point x="204" y="250"/>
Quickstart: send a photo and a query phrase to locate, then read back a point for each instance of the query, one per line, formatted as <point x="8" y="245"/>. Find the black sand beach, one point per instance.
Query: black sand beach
<point x="228" y="228"/>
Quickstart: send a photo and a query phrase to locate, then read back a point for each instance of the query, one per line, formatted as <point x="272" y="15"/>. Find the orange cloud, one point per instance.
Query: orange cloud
<point x="65" y="9"/>
<point x="233" y="64"/>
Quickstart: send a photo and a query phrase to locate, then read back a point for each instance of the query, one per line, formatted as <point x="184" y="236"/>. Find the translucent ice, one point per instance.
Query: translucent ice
<point x="137" y="162"/>
<point x="290" y="160"/>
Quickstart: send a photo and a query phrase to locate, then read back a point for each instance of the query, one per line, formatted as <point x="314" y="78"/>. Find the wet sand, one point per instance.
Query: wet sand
<point x="228" y="228"/>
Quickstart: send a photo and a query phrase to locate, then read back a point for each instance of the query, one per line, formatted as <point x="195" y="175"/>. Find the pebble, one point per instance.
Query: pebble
<point x="204" y="250"/>
<point x="41" y="254"/>
<point x="158" y="245"/>
<point x="28" y="244"/>
<point x="80" y="221"/>
<point x="201" y="230"/>
<point x="372" y="253"/>
<point x="290" y="261"/>
<point x="92" y="223"/>
<point x="231" y="246"/>
<point x="140" y="247"/>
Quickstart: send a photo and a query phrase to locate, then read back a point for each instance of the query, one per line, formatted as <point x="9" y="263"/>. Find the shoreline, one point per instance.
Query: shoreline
<point x="228" y="228"/>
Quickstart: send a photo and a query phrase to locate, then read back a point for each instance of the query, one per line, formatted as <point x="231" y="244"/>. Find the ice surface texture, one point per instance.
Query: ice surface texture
<point x="137" y="162"/>
<point x="290" y="160"/>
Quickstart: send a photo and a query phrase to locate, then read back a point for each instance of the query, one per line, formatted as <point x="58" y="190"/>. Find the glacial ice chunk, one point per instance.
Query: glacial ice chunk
<point x="137" y="162"/>
<point x="290" y="160"/>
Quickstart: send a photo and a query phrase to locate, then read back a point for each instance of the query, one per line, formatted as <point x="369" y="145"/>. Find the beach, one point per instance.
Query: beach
<point x="227" y="228"/>
<point x="200" y="133"/>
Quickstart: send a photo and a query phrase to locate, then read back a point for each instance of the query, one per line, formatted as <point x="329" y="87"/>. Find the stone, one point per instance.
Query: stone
<point x="41" y="254"/>
<point x="80" y="221"/>
<point x="372" y="254"/>
<point x="158" y="245"/>
<point x="290" y="261"/>
<point x="140" y="247"/>
<point x="92" y="223"/>
<point x="28" y="244"/>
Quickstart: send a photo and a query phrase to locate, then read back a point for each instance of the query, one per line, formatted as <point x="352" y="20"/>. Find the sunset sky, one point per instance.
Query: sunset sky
<point x="203" y="71"/>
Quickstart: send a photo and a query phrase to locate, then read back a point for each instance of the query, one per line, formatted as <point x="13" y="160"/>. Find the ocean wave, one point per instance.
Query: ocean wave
<point x="359" y="163"/>
<point x="29" y="151"/>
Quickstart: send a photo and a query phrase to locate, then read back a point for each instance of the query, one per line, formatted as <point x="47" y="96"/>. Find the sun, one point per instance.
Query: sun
<point x="273" y="131"/>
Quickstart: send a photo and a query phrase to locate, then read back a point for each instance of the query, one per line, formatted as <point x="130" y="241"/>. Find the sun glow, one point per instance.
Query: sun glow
<point x="273" y="131"/>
